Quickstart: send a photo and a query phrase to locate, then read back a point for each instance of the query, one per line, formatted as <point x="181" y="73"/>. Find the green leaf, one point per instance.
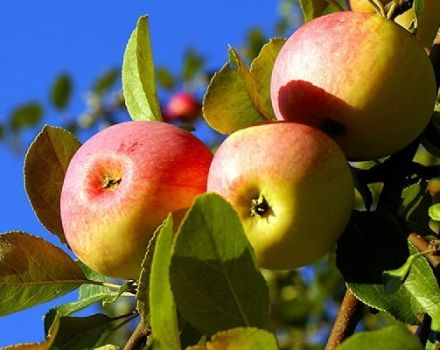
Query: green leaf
<point x="162" y="308"/>
<point x="45" y="166"/>
<point x="373" y="244"/>
<point x="414" y="206"/>
<point x="105" y="81"/>
<point x="232" y="100"/>
<point x="255" y="41"/>
<point x="165" y="78"/>
<point x="214" y="276"/>
<point x="434" y="212"/>
<point x="261" y="70"/>
<point x="240" y="339"/>
<point x="142" y="295"/>
<point x="61" y="91"/>
<point x="312" y="8"/>
<point x="138" y="81"/>
<point x="394" y="337"/>
<point x="85" y="332"/>
<point x="45" y="345"/>
<point x="192" y="64"/>
<point x="26" y="115"/>
<point x="418" y="6"/>
<point x="33" y="271"/>
<point x="393" y="279"/>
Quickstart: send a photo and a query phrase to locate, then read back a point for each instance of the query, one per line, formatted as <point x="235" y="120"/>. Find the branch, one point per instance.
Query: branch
<point x="349" y="315"/>
<point x="139" y="337"/>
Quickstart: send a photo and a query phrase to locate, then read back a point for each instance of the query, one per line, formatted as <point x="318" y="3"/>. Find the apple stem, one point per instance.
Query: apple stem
<point x="349" y="315"/>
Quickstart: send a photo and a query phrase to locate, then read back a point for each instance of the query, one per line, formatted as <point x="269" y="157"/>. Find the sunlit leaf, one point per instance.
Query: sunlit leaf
<point x="45" y="166"/>
<point x="240" y="339"/>
<point x="61" y="91"/>
<point x="162" y="308"/>
<point x="394" y="337"/>
<point x="33" y="271"/>
<point x="213" y="270"/>
<point x="434" y="212"/>
<point x="138" y="79"/>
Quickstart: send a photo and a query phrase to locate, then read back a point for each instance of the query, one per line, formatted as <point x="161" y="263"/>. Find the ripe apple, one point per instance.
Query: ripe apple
<point x="182" y="106"/>
<point x="360" y="77"/>
<point x="291" y="187"/>
<point x="429" y="21"/>
<point x="121" y="184"/>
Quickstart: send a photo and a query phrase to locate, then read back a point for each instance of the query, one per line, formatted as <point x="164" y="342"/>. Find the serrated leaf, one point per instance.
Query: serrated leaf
<point x="142" y="295"/>
<point x="61" y="91"/>
<point x="138" y="80"/>
<point x="26" y="115"/>
<point x="394" y="337"/>
<point x="105" y="81"/>
<point x="312" y="8"/>
<point x="240" y="339"/>
<point x="45" y="166"/>
<point x="45" y="345"/>
<point x="373" y="244"/>
<point x="213" y="270"/>
<point x="261" y="70"/>
<point x="33" y="271"/>
<point x="232" y="100"/>
<point x="162" y="308"/>
<point x="85" y="332"/>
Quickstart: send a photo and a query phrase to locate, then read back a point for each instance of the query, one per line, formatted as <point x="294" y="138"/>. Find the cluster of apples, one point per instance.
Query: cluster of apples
<point x="344" y="86"/>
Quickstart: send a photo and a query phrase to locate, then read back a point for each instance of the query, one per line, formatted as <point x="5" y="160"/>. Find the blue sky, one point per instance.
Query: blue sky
<point x="40" y="39"/>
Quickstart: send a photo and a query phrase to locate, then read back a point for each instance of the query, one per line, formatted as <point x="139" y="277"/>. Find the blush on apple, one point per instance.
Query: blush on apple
<point x="360" y="77"/>
<point x="291" y="187"/>
<point x="182" y="106"/>
<point x="121" y="184"/>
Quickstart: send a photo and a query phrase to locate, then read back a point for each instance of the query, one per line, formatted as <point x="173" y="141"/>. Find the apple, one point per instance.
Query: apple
<point x="429" y="21"/>
<point x="361" y="78"/>
<point x="291" y="187"/>
<point x="121" y="184"/>
<point x="182" y="106"/>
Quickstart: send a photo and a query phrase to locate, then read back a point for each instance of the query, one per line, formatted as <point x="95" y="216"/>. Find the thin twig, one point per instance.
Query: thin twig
<point x="139" y="337"/>
<point x="349" y="315"/>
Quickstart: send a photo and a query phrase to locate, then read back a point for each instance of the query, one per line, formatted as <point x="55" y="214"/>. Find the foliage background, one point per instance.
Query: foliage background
<point x="41" y="39"/>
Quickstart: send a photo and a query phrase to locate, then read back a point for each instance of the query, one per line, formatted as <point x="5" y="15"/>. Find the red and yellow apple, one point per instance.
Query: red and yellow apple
<point x="291" y="187"/>
<point x="121" y="184"/>
<point x="429" y="21"/>
<point x="182" y="106"/>
<point x="361" y="78"/>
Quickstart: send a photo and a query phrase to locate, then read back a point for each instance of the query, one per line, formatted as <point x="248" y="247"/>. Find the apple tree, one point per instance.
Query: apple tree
<point x="329" y="202"/>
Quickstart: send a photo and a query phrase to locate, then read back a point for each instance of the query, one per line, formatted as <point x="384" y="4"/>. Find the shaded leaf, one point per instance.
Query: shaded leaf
<point x="138" y="81"/>
<point x="26" y="115"/>
<point x="393" y="279"/>
<point x="312" y="8"/>
<point x="394" y="337"/>
<point x="162" y="308"/>
<point x="255" y="41"/>
<point x="33" y="271"/>
<point x="106" y="81"/>
<point x="165" y="78"/>
<point x="45" y="166"/>
<point x="240" y="339"/>
<point x="192" y="64"/>
<point x="418" y="6"/>
<point x="232" y="100"/>
<point x="213" y="270"/>
<point x="61" y="91"/>
<point x="85" y="332"/>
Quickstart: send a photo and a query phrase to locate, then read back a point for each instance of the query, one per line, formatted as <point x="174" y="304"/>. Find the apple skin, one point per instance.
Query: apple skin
<point x="291" y="187"/>
<point x="427" y="27"/>
<point x="361" y="78"/>
<point x="121" y="184"/>
<point x="182" y="106"/>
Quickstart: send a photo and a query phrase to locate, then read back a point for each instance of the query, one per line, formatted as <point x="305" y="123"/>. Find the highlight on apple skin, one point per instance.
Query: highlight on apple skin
<point x="361" y="78"/>
<point x="121" y="184"/>
<point x="291" y="187"/>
